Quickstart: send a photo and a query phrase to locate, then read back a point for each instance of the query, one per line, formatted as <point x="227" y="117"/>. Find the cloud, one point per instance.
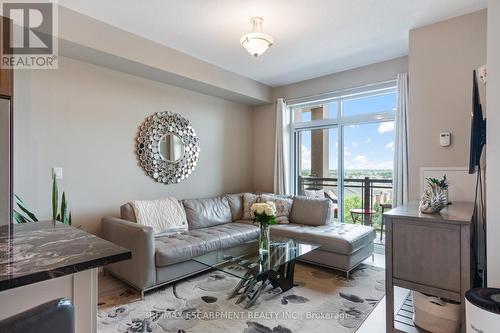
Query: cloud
<point x="360" y="158"/>
<point x="390" y="145"/>
<point x="347" y="152"/>
<point x="355" y="144"/>
<point x="368" y="140"/>
<point x="363" y="162"/>
<point x="386" y="127"/>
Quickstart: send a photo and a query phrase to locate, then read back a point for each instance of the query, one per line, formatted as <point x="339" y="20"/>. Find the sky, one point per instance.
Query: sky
<point x="366" y="146"/>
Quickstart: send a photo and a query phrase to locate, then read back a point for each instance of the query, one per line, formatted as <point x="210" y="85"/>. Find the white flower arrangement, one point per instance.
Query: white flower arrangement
<point x="268" y="208"/>
<point x="264" y="212"/>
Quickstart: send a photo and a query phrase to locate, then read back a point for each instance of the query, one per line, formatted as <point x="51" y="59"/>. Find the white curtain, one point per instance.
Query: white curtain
<point x="282" y="149"/>
<point x="400" y="196"/>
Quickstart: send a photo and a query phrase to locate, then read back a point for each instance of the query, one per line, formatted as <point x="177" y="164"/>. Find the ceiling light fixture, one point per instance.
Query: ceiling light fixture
<point x="256" y="42"/>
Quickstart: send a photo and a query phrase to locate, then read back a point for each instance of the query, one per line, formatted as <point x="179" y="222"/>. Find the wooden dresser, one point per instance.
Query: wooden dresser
<point x="429" y="253"/>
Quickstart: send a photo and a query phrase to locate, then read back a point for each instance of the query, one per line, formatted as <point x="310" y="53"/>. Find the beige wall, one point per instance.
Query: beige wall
<point x="379" y="72"/>
<point x="264" y="116"/>
<point x="264" y="124"/>
<point x="84" y="118"/>
<point x="493" y="142"/>
<point x="442" y="57"/>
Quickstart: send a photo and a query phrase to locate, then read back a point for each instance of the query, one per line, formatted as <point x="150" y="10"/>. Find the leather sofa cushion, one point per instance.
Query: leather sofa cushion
<point x="236" y="205"/>
<point x="184" y="246"/>
<point x="250" y="222"/>
<point x="341" y="238"/>
<point x="311" y="211"/>
<point x="127" y="212"/>
<point x="203" y="213"/>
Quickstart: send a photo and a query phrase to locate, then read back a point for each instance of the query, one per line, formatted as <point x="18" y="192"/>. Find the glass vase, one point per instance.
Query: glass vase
<point x="264" y="238"/>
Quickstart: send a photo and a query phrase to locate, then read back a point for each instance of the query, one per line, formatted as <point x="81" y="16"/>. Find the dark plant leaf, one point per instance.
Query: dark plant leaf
<point x="18" y="198"/>
<point x="55" y="198"/>
<point x="64" y="209"/>
<point x="27" y="212"/>
<point x="19" y="218"/>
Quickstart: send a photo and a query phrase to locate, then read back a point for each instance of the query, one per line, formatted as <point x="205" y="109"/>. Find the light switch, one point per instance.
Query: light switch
<point x="58" y="172"/>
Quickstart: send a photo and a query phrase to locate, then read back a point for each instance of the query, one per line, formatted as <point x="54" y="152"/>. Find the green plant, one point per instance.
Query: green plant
<point x="441" y="183"/>
<point x="351" y="202"/>
<point x="26" y="216"/>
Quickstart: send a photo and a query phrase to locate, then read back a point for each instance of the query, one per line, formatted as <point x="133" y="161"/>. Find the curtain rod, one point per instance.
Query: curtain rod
<point x="326" y="94"/>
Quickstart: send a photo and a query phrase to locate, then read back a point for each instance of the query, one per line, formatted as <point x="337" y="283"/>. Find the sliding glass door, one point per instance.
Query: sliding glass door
<point x="343" y="150"/>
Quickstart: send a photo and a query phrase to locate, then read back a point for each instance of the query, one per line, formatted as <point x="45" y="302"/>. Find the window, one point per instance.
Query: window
<point x="316" y="112"/>
<point x="370" y="104"/>
<point x="343" y="150"/>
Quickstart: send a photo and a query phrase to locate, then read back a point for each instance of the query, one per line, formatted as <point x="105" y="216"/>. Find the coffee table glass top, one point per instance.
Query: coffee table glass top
<point x="245" y="262"/>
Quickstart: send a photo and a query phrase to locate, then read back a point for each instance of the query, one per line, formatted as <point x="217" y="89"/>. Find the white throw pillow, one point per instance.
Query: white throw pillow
<point x="164" y="215"/>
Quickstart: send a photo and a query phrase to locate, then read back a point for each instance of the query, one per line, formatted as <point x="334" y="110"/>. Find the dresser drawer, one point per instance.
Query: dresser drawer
<point x="427" y="255"/>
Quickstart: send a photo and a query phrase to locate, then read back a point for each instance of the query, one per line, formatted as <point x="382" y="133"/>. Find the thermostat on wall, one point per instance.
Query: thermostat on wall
<point x="445" y="139"/>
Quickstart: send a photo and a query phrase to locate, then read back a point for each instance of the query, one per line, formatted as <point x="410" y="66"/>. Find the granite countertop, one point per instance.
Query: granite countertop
<point x="34" y="252"/>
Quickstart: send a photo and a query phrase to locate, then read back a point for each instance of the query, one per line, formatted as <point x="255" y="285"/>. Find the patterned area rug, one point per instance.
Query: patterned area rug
<point x="322" y="301"/>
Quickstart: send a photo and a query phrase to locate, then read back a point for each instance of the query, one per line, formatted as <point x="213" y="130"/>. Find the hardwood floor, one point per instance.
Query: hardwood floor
<point x="375" y="323"/>
<point x="113" y="292"/>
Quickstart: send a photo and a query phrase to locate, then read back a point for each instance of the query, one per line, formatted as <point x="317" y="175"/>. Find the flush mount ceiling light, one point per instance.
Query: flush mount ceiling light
<point x="256" y="42"/>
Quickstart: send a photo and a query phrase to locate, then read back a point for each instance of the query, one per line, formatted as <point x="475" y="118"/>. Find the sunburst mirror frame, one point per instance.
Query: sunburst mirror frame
<point x="151" y="131"/>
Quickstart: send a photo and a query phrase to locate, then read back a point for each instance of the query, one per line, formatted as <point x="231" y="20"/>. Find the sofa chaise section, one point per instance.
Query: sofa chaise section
<point x="343" y="246"/>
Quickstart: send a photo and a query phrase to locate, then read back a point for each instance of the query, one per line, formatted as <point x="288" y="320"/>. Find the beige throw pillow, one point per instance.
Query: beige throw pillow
<point x="248" y="200"/>
<point x="283" y="207"/>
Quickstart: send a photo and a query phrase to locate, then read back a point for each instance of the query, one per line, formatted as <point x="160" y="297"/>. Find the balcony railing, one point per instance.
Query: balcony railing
<point x="366" y="194"/>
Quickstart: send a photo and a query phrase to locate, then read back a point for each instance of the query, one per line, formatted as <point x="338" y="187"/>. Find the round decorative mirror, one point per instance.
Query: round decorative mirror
<point x="171" y="147"/>
<point x="167" y="147"/>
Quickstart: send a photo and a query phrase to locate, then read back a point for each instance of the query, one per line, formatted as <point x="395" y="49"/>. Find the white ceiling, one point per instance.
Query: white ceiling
<point x="312" y="37"/>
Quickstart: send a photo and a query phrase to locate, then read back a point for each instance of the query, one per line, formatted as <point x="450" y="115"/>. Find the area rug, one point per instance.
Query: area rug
<point x="322" y="301"/>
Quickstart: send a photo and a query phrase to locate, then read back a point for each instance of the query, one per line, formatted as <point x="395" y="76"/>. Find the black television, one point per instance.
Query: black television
<point x="478" y="129"/>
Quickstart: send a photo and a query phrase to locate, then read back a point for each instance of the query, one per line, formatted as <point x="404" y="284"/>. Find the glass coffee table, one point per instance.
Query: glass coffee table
<point x="257" y="270"/>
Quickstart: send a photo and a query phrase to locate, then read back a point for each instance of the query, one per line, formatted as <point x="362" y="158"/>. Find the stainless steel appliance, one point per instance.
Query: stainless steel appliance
<point x="5" y="162"/>
<point x="6" y="79"/>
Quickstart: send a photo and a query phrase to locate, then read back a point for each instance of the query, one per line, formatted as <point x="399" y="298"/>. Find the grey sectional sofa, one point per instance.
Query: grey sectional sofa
<point x="216" y="223"/>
